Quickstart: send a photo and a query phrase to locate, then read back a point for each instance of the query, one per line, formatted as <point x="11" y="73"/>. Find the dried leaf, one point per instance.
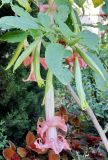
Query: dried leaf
<point x="75" y="144"/>
<point x="52" y="155"/>
<point x="12" y="145"/>
<point x="22" y="152"/>
<point x="30" y="138"/>
<point x="8" y="153"/>
<point x="96" y="155"/>
<point x="93" y="140"/>
<point x="63" y="113"/>
<point x="74" y="120"/>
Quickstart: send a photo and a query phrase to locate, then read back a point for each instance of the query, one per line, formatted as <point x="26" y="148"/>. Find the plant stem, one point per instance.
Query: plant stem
<point x="92" y="116"/>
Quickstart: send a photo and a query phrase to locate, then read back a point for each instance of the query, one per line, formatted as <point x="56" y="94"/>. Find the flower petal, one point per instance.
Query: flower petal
<point x="56" y="121"/>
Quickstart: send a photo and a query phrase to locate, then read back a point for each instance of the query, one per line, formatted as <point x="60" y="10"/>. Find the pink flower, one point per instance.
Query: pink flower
<point x="56" y="145"/>
<point x="56" y="121"/>
<point x="43" y="7"/>
<point x="43" y="63"/>
<point x="70" y="61"/>
<point x="45" y="142"/>
<point x="31" y="76"/>
<point x="28" y="61"/>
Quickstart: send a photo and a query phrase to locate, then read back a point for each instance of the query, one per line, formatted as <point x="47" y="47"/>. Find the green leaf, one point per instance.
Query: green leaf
<point x="62" y="14"/>
<point x="55" y="53"/>
<point x="80" y="2"/>
<point x="65" y="30"/>
<point x="102" y="27"/>
<point x="90" y="62"/>
<point x="62" y="2"/>
<point x="100" y="83"/>
<point x="44" y="19"/>
<point x="35" y="33"/>
<point x="18" y="22"/>
<point x="14" y="36"/>
<point x="16" y="54"/>
<point x="25" y="54"/>
<point x="97" y="3"/>
<point x="89" y="39"/>
<point x="25" y="4"/>
<point x="5" y="1"/>
<point x="105" y="7"/>
<point x="21" y="12"/>
<point x="79" y="86"/>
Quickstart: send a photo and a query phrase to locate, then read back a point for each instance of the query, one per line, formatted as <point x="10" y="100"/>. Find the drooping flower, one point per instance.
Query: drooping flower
<point x="56" y="121"/>
<point x="71" y="60"/>
<point x="56" y="145"/>
<point x="29" y="62"/>
<point x="31" y="76"/>
<point x="45" y="142"/>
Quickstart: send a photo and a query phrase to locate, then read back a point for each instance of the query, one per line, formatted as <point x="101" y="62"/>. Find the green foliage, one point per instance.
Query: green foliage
<point x="9" y="22"/>
<point x="105" y="7"/>
<point x="62" y="14"/>
<point x="19" y="114"/>
<point x="79" y="85"/>
<point x="89" y="39"/>
<point x="25" y="54"/>
<point x="80" y="2"/>
<point x="90" y="62"/>
<point x="14" y="36"/>
<point x="57" y="53"/>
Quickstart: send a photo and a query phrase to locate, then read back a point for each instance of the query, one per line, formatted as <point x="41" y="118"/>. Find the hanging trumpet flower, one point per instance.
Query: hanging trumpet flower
<point x="48" y="129"/>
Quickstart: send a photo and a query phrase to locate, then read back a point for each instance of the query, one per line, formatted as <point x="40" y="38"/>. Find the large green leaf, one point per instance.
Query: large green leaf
<point x="44" y="19"/>
<point x="15" y="54"/>
<point x="65" y="30"/>
<point x="97" y="3"/>
<point x="100" y="83"/>
<point x="79" y="85"/>
<point x="17" y="22"/>
<point x="55" y="53"/>
<point x="21" y="12"/>
<point x="14" y="36"/>
<point x="90" y="62"/>
<point x="89" y="39"/>
<point x="80" y="2"/>
<point x="62" y="14"/>
<point x="25" y="54"/>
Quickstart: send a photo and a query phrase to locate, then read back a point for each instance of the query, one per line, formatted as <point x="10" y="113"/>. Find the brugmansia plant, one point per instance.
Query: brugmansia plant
<point x="68" y="50"/>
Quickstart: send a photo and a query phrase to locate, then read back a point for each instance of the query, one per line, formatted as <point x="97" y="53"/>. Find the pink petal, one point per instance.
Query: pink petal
<point x="28" y="61"/>
<point x="43" y="7"/>
<point x="82" y="63"/>
<point x="43" y="63"/>
<point x="56" y="145"/>
<point x="31" y="77"/>
<point x="56" y="121"/>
